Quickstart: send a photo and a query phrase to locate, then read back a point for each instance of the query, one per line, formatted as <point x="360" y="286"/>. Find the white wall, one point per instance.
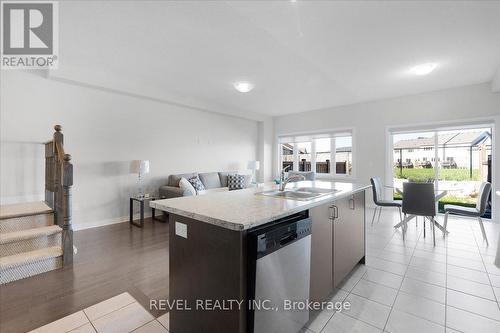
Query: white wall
<point x="371" y="120"/>
<point x="265" y="151"/>
<point x="104" y="131"/>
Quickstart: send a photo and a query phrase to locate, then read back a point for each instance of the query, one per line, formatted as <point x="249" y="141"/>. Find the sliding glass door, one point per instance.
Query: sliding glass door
<point x="465" y="162"/>
<point x="455" y="160"/>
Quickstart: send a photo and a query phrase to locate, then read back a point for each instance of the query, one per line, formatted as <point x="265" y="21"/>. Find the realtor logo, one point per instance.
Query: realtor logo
<point x="29" y="34"/>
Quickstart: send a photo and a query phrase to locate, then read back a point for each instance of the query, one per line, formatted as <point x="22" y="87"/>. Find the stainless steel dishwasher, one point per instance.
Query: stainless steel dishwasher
<point x="280" y="272"/>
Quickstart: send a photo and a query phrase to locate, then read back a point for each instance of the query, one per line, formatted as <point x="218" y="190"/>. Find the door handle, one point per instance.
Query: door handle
<point x="335" y="214"/>
<point x="352" y="204"/>
<point x="332" y="213"/>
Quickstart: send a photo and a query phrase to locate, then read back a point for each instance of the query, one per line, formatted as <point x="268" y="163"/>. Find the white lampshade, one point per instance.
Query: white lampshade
<point x="139" y="166"/>
<point x="253" y="165"/>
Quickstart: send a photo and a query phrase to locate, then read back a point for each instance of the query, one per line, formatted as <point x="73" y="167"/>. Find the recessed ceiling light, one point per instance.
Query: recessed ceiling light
<point x="423" y="69"/>
<point x="243" y="86"/>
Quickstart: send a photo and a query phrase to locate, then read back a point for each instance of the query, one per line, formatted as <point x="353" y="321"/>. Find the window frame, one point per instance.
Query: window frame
<point x="467" y="123"/>
<point x="295" y="138"/>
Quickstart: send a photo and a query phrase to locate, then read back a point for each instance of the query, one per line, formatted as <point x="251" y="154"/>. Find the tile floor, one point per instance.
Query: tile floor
<point x="119" y="314"/>
<point x="411" y="286"/>
<point x="405" y="287"/>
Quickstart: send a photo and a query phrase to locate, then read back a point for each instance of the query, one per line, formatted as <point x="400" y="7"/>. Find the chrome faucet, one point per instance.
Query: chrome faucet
<point x="284" y="181"/>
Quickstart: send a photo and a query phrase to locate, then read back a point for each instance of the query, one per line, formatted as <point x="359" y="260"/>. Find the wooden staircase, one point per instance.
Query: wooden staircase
<point x="37" y="237"/>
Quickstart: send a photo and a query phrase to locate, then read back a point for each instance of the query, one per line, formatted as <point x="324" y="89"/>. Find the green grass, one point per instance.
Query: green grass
<point x="444" y="174"/>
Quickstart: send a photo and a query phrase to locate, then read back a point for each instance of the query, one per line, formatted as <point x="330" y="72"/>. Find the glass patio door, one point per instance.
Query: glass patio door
<point x="414" y="158"/>
<point x="456" y="160"/>
<point x="465" y="162"/>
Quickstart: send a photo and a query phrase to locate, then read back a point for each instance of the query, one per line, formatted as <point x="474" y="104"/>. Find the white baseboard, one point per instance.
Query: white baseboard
<point x="102" y="223"/>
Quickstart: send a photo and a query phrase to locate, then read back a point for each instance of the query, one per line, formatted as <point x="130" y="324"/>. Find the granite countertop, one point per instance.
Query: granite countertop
<point x="243" y="209"/>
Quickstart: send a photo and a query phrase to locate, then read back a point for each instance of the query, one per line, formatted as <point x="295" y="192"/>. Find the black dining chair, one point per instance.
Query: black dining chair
<point x="478" y="211"/>
<point x="419" y="200"/>
<point x="377" y="190"/>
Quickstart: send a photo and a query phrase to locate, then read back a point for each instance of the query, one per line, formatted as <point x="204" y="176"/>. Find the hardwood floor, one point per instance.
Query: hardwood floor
<point x="110" y="260"/>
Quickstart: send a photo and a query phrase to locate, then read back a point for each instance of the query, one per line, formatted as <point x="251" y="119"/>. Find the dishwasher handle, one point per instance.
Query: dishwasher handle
<point x="288" y="239"/>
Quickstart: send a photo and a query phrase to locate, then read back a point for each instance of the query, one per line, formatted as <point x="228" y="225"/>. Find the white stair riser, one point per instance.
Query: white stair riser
<point x="26" y="222"/>
<point x="31" y="244"/>
<point x="29" y="269"/>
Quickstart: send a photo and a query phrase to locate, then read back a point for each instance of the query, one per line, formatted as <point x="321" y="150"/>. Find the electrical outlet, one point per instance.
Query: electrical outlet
<point x="181" y="229"/>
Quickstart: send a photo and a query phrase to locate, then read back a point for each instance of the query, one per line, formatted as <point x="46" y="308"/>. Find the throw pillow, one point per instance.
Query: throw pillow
<point x="248" y="180"/>
<point x="197" y="184"/>
<point x="236" y="182"/>
<point x="186" y="186"/>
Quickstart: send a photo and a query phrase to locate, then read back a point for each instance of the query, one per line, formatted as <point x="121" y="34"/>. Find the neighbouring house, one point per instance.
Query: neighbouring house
<point x="465" y="150"/>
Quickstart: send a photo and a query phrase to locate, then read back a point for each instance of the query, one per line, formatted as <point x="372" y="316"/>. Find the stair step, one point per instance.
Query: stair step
<point x="26" y="222"/>
<point x="15" y="236"/>
<point x="17" y="242"/>
<point x="22" y="265"/>
<point x="30" y="257"/>
<point x="24" y="209"/>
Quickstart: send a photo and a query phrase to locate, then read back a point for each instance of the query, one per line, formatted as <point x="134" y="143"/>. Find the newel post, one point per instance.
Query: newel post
<point x="57" y="141"/>
<point x="50" y="166"/>
<point x="66" y="210"/>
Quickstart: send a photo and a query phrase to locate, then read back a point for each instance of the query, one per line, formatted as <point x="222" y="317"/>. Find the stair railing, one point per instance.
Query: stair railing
<point x="58" y="183"/>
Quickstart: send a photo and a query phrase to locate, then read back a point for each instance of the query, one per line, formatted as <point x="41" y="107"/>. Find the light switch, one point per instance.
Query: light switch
<point x="181" y="229"/>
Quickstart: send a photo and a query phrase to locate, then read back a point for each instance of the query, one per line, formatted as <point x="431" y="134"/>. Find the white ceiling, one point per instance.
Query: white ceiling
<point x="301" y="56"/>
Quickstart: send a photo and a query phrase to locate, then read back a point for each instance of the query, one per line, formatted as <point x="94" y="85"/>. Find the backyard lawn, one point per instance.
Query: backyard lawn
<point x="449" y="199"/>
<point x="450" y="175"/>
<point x="444" y="174"/>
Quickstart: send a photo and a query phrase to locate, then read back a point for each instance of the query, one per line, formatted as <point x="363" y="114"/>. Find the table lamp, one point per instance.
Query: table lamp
<point x="141" y="167"/>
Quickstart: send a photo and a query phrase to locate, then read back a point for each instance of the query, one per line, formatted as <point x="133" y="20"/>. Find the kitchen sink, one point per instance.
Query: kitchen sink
<point x="302" y="193"/>
<point x="315" y="190"/>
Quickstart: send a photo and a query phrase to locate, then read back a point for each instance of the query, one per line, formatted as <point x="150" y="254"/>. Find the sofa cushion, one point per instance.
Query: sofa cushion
<point x="210" y="179"/>
<point x="248" y="180"/>
<point x="187" y="187"/>
<point x="223" y="177"/>
<point x="168" y="192"/>
<point x="197" y="184"/>
<point x="173" y="180"/>
<point x="236" y="182"/>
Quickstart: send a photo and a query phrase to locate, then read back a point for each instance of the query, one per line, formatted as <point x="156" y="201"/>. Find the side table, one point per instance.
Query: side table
<point x="141" y="202"/>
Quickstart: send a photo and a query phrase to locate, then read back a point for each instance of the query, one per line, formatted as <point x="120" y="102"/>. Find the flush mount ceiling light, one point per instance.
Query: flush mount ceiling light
<point x="243" y="86"/>
<point x="423" y="69"/>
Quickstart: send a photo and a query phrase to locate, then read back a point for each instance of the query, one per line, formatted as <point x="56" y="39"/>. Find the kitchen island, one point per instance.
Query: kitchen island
<point x="211" y="275"/>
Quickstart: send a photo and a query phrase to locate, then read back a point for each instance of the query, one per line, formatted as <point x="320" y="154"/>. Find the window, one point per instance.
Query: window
<point x="459" y="161"/>
<point x="286" y="156"/>
<point x="323" y="155"/>
<point x="329" y="154"/>
<point x="304" y="152"/>
<point x="343" y="155"/>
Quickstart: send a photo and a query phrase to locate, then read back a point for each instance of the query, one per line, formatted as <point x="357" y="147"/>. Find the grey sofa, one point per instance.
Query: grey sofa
<point x="211" y="181"/>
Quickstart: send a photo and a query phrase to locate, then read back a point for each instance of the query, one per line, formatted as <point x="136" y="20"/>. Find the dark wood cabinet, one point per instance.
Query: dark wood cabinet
<point x="348" y="236"/>
<point x="321" y="252"/>
<point x="337" y="242"/>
